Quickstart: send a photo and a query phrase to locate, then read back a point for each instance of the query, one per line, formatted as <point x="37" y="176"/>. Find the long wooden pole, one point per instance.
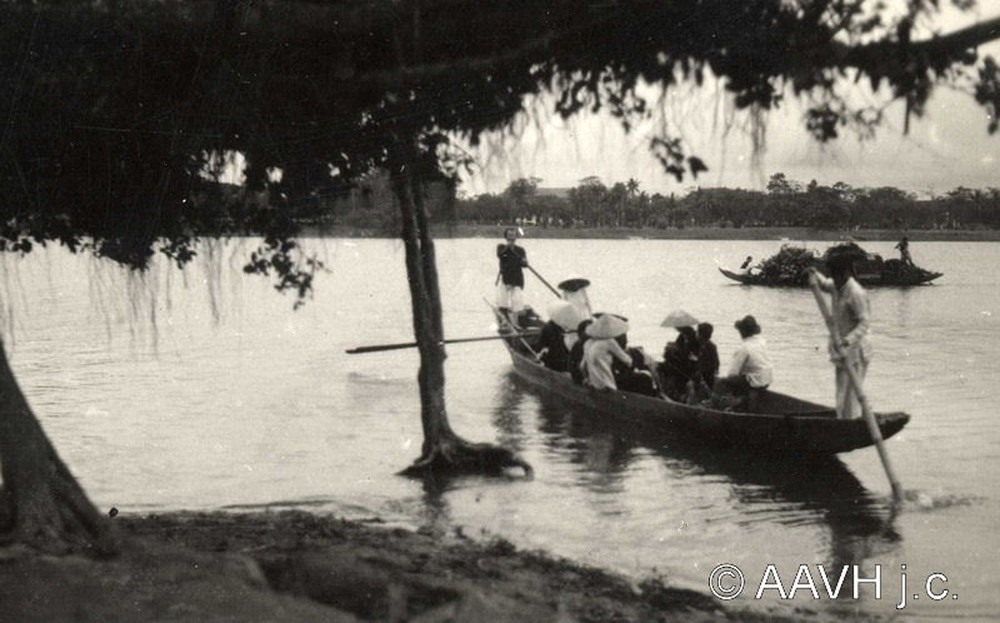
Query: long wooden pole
<point x="381" y="347"/>
<point x="519" y="333"/>
<point x="542" y="279"/>
<point x="852" y="375"/>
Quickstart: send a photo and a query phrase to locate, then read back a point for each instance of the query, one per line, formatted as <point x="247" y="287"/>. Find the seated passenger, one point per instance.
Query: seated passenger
<point x="558" y="336"/>
<point x="575" y="291"/>
<point x="708" y="355"/>
<point x="576" y="363"/>
<point x="679" y="368"/>
<point x="750" y="372"/>
<point x="601" y="349"/>
<point x="528" y="318"/>
<point x="638" y="376"/>
<point x="552" y="349"/>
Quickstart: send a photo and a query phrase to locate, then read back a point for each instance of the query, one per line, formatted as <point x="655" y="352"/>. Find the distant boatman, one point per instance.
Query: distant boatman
<point x="904" y="251"/>
<point x="510" y="281"/>
<point x="746" y="268"/>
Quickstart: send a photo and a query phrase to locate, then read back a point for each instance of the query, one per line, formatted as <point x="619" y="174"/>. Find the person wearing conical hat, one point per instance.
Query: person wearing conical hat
<point x="679" y="369"/>
<point x="558" y="336"/>
<point x="575" y="291"/>
<point x="602" y="348"/>
<point x="568" y="317"/>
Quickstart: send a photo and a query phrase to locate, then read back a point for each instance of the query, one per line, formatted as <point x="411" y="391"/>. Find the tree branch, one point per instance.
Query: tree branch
<point x="950" y="44"/>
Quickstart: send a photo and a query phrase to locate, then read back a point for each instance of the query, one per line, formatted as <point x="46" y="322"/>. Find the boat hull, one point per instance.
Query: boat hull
<point x="789" y="425"/>
<point x="909" y="277"/>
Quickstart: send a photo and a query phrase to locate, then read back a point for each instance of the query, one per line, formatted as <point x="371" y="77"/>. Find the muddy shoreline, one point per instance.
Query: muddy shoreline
<point x="297" y="566"/>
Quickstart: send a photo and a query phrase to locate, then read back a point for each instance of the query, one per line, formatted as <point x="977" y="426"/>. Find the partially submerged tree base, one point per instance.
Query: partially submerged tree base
<point x="444" y="452"/>
<point x="456" y="456"/>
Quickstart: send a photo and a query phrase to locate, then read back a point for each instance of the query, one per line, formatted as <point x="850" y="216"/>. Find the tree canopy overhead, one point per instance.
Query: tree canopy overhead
<point x="114" y="109"/>
<point x="116" y="114"/>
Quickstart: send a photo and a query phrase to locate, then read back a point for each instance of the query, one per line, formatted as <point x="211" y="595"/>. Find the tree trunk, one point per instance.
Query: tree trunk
<point x="43" y="505"/>
<point x="443" y="451"/>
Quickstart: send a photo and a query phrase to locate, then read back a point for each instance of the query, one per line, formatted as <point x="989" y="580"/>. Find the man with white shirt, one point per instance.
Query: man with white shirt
<point x="750" y="372"/>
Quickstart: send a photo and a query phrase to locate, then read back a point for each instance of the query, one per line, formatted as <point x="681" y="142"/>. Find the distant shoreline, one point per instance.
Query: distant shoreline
<point x="783" y="234"/>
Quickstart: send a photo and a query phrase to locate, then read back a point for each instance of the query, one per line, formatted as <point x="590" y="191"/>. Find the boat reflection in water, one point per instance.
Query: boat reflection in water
<point x="767" y="494"/>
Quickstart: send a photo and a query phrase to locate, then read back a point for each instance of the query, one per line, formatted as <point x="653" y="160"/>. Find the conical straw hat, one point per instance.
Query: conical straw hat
<point x="566" y="315"/>
<point x="607" y="326"/>
<point x="679" y="318"/>
<point x="574" y="284"/>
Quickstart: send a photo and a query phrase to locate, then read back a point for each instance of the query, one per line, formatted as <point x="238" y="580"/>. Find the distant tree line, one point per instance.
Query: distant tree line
<point x="785" y="203"/>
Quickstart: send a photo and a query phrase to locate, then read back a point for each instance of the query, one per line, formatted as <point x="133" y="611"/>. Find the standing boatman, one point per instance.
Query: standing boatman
<point x="510" y="281"/>
<point x="904" y="251"/>
<point x="851" y="319"/>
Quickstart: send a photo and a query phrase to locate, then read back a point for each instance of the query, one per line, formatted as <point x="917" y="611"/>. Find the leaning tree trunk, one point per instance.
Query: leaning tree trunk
<point x="443" y="451"/>
<point x="43" y="505"/>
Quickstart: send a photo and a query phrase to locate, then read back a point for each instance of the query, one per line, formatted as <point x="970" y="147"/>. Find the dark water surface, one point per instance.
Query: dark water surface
<point x="204" y="390"/>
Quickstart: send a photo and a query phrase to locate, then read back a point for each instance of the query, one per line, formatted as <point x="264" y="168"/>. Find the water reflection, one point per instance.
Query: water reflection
<point x="822" y="492"/>
<point x="507" y="417"/>
<point x="436" y="511"/>
<point x="762" y="490"/>
<point x="602" y="452"/>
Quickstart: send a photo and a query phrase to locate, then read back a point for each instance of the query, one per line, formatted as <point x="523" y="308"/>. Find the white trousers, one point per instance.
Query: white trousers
<point x="510" y="297"/>
<point x="848" y="405"/>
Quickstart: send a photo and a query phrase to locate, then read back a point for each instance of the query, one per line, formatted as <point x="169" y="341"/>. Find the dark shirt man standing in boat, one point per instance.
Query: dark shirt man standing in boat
<point x="511" y="278"/>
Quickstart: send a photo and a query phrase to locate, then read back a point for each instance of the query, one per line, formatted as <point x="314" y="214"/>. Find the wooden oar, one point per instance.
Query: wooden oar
<point x="852" y="375"/>
<point x="381" y="347"/>
<point x="542" y="279"/>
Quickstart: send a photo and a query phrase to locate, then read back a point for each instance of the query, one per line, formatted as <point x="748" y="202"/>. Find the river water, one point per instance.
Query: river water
<point x="203" y="389"/>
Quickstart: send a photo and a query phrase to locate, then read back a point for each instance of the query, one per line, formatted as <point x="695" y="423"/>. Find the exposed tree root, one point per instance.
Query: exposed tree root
<point x="41" y="503"/>
<point x="453" y="455"/>
<point x="56" y="517"/>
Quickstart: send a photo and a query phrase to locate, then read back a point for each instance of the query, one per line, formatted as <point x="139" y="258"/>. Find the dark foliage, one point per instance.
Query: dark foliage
<point x="114" y="111"/>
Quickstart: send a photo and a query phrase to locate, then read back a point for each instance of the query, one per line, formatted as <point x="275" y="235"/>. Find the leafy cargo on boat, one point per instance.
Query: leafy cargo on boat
<point x="788" y="268"/>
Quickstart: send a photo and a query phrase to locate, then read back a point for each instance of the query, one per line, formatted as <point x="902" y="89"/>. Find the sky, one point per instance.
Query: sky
<point x="946" y="148"/>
